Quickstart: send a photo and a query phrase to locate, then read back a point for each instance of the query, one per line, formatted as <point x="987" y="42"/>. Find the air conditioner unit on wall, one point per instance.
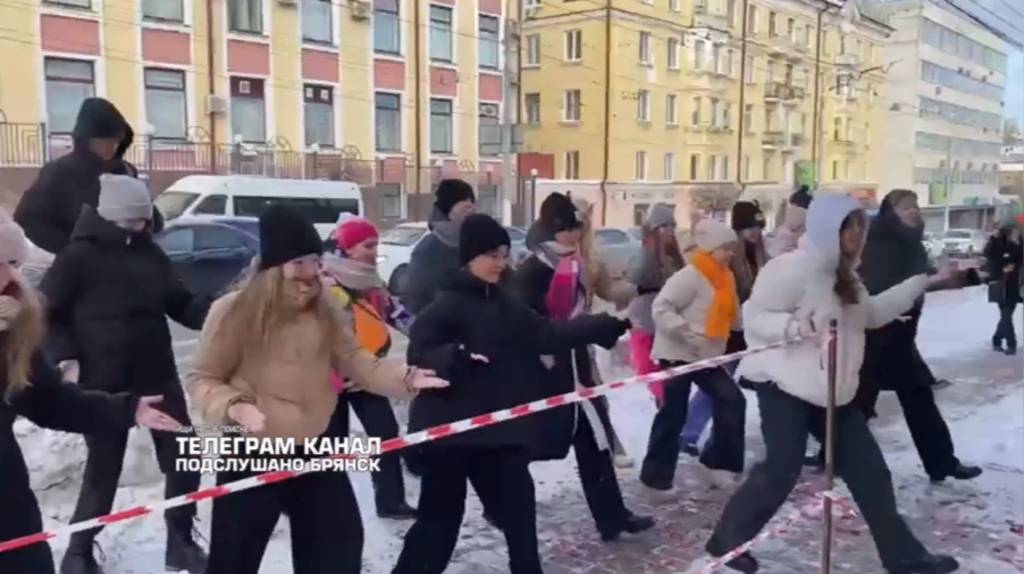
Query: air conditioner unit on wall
<point x="360" y="9"/>
<point x="216" y="104"/>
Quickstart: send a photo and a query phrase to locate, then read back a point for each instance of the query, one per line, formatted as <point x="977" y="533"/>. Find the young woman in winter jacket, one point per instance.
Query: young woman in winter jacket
<point x="552" y="282"/>
<point x="693" y="315"/>
<point x="797" y="294"/>
<point x="1005" y="256"/>
<point x="30" y="386"/>
<point x="490" y="369"/>
<point x="109" y="294"/>
<point x="788" y="234"/>
<point x="352" y="278"/>
<point x="264" y="363"/>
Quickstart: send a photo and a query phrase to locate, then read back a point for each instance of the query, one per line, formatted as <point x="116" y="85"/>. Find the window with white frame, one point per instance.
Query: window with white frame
<point x="752" y="20"/>
<point x="248" y="110"/>
<point x="641" y="165"/>
<point x="770" y="77"/>
<point x="773" y="29"/>
<point x="748" y="118"/>
<point x="166" y="106"/>
<point x="572" y="164"/>
<point x="571" y="106"/>
<point x="387" y="35"/>
<point x="441" y="129"/>
<point x="727" y="68"/>
<point x="716" y="58"/>
<point x="163" y="10"/>
<point x="712" y="166"/>
<point x="714" y="113"/>
<point x="532" y="102"/>
<point x="766" y="169"/>
<point x="388" y="121"/>
<point x="645" y="48"/>
<point x="441" y="34"/>
<point x="674" y="5"/>
<point x="488" y="42"/>
<point x="643" y="106"/>
<point x="489" y="130"/>
<point x="725" y="168"/>
<point x="835" y="170"/>
<point x="245" y="16"/>
<point x="730" y="12"/>
<point x="75" y="3"/>
<point x="316" y="21"/>
<point x="68" y="83"/>
<point x="698" y="55"/>
<point x="318" y="111"/>
<point x="573" y="45"/>
<point x="671" y="111"/>
<point x="727" y="115"/>
<point x="673" y="54"/>
<point x="694" y="167"/>
<point x="749" y="71"/>
<point x="670" y="166"/>
<point x="746" y="168"/>
<point x="695" y="116"/>
<point x="532" y="50"/>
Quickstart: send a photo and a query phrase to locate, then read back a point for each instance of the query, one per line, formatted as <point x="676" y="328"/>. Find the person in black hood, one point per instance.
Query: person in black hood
<point x="49" y="209"/>
<point x="488" y="369"/>
<point x="109" y="293"/>
<point x="892" y="253"/>
<point x="1004" y="254"/>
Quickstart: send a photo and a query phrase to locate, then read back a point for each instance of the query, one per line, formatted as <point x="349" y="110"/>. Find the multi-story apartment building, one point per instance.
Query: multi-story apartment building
<point x="644" y="101"/>
<point x="392" y="93"/>
<point x="945" y="104"/>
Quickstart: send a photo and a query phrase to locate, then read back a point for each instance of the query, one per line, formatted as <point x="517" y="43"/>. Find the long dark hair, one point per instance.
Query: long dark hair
<point x="668" y="256"/>
<point x="847" y="286"/>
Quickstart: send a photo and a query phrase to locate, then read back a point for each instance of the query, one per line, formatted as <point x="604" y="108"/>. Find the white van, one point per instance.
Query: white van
<point x="219" y="196"/>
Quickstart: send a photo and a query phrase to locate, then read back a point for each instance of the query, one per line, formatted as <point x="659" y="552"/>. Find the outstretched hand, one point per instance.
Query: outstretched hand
<point x="148" y="416"/>
<point x="426" y="379"/>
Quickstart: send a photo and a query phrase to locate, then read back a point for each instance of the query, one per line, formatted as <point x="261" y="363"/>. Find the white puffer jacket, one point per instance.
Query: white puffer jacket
<point x="798" y="286"/>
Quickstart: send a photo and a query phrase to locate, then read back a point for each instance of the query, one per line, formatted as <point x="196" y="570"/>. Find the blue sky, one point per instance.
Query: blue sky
<point x="1015" y="87"/>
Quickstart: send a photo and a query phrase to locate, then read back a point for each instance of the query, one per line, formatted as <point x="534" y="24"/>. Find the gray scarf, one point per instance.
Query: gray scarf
<point x="352" y="274"/>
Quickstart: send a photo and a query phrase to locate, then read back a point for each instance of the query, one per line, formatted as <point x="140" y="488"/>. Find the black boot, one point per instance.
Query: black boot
<point x="745" y="563"/>
<point x="633" y="524"/>
<point x="1011" y="349"/>
<point x="930" y="564"/>
<point x="960" y="472"/>
<point x="400" y="511"/>
<point x="79" y="559"/>
<point x="183" y="553"/>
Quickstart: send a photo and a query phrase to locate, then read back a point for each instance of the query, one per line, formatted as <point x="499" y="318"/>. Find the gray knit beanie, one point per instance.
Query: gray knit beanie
<point x="660" y="215"/>
<point x="123" y="197"/>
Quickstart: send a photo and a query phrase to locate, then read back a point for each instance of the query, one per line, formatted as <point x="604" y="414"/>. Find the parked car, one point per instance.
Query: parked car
<point x="617" y="248"/>
<point x="209" y="256"/>
<point x="933" y="245"/>
<point x="964" y="242"/>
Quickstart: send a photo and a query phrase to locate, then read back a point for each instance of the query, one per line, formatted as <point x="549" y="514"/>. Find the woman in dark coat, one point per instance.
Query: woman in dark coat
<point x="894" y="252"/>
<point x="1005" y="257"/>
<point x="486" y="344"/>
<point x="109" y="294"/>
<point x="30" y="386"/>
<point x="551" y="282"/>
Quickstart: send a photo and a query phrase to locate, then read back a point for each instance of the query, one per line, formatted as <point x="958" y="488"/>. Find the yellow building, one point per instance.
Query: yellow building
<point x="643" y="101"/>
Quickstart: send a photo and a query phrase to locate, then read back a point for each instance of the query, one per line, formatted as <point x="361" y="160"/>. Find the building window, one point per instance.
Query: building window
<point x="318" y="111"/>
<point x="749" y="71"/>
<point x="645" y="48"/>
<point x="748" y="118"/>
<point x="727" y="115"/>
<point x="248" y="112"/>
<point x="791" y="30"/>
<point x="386" y="29"/>
<point x="766" y="169"/>
<point x="246" y="16"/>
<point x="573" y="45"/>
<point x="771" y="72"/>
<point x="532" y="108"/>
<point x="752" y="20"/>
<point x="316" y="21"/>
<point x="694" y="167"/>
<point x="698" y="55"/>
<point x="641" y="165"/>
<point x="489" y="131"/>
<point x="162" y="10"/>
<point x="712" y="166"/>
<point x="572" y="165"/>
<point x="772" y="30"/>
<point x="695" y="117"/>
<point x="716" y="58"/>
<point x="68" y="82"/>
<point x="489" y="39"/>
<point x="441" y="34"/>
<point x="75" y="3"/>
<point x="388" y="120"/>
<point x="441" y="125"/>
<point x="673" y="5"/>
<point x="670" y="166"/>
<point x="572" y="106"/>
<point x="532" y="50"/>
<point x="714" y="112"/>
<point x="746" y="168"/>
<point x="671" y="113"/>
<point x="673" y="54"/>
<point x="837" y="129"/>
<point x="835" y="170"/>
<point x="165" y="103"/>
<point x="643" y="106"/>
<point x="725" y="168"/>
<point x="730" y="12"/>
<point x="727" y="68"/>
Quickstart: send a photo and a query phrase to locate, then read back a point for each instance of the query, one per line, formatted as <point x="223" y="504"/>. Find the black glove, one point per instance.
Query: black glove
<point x="607" y="329"/>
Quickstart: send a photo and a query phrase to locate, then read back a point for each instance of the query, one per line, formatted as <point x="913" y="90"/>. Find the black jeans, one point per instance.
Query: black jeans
<point x="1005" y="331"/>
<point x="724" y="450"/>
<point x="103" y="471"/>
<point x="785" y="423"/>
<point x="928" y="429"/>
<point x="597" y="473"/>
<point x="374" y="411"/>
<point x="21" y="517"/>
<point x="326" y="530"/>
<point x="431" y="540"/>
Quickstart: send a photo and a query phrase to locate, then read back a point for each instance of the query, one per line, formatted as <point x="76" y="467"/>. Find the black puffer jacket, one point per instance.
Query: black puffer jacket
<point x="432" y="263"/>
<point x="50" y="207"/>
<point x="471" y="316"/>
<point x="109" y="294"/>
<point x="1000" y="253"/>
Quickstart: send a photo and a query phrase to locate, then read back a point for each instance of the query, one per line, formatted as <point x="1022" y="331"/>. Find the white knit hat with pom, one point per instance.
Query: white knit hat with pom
<point x="13" y="245"/>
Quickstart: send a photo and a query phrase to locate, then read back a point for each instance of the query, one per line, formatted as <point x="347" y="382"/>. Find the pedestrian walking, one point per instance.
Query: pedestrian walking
<point x="693" y="315"/>
<point x="353" y="280"/>
<point x="659" y="259"/>
<point x="798" y="294"/>
<point x="1004" y="256"/>
<point x="31" y="386"/>
<point x="49" y="209"/>
<point x="793" y="225"/>
<point x="552" y="281"/>
<point x="264" y="363"/>
<point x="489" y="369"/>
<point x="893" y="253"/>
<point x="109" y="294"/>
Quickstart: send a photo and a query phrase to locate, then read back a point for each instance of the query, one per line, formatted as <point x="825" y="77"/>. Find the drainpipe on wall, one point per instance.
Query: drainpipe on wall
<point x="607" y="108"/>
<point x="418" y="158"/>
<point x="743" y="85"/>
<point x="816" y="132"/>
<point x="212" y="88"/>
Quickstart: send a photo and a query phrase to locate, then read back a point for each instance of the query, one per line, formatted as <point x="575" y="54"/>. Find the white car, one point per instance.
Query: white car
<point x="933" y="245"/>
<point x="964" y="242"/>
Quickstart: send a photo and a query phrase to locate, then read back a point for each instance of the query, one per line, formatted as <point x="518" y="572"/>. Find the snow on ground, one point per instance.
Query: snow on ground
<point x="979" y="521"/>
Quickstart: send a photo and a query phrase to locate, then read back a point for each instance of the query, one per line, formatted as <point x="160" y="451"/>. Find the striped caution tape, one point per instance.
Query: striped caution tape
<point x="390" y="445"/>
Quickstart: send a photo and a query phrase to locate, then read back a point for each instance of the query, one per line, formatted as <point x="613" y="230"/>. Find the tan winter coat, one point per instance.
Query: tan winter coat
<point x="680" y="314"/>
<point x="289" y="380"/>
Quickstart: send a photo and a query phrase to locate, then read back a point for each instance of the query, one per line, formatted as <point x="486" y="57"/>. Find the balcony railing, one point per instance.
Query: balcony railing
<point x="704" y="18"/>
<point x="782" y="141"/>
<point x="847" y="60"/>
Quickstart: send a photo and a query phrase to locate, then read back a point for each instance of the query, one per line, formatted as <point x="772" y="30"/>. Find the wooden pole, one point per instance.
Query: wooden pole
<point x="830" y="448"/>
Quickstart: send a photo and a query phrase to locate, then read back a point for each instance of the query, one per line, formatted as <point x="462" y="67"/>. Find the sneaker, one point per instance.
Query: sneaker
<point x="623" y="461"/>
<point x="930" y="564"/>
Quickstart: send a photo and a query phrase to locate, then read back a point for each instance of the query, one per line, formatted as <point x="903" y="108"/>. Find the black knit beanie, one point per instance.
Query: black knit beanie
<point x="557" y="213"/>
<point x="452" y="191"/>
<point x="747" y="215"/>
<point x="480" y="234"/>
<point x="286" y="235"/>
<point x="801" y="197"/>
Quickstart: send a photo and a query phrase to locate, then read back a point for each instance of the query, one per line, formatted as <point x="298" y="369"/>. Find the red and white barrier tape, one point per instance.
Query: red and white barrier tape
<point x="391" y="445"/>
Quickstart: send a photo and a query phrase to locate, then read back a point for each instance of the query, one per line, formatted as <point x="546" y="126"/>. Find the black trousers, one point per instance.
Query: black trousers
<point x="597" y="473"/>
<point x="1005" y="331"/>
<point x="785" y="424"/>
<point x="375" y="412"/>
<point x="21" y="517"/>
<point x="103" y="471"/>
<point x="431" y="540"/>
<point x="724" y="450"/>
<point x="326" y="530"/>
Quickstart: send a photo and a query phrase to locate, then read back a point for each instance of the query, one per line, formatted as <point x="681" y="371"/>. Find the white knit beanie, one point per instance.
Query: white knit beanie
<point x="13" y="245"/>
<point x="712" y="234"/>
<point x="123" y="197"/>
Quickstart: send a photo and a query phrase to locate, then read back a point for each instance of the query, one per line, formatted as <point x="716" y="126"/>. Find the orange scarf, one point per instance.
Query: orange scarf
<point x="723" y="305"/>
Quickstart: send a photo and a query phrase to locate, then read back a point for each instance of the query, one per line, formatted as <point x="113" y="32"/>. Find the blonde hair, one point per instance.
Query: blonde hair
<point x="591" y="263"/>
<point x="21" y="339"/>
